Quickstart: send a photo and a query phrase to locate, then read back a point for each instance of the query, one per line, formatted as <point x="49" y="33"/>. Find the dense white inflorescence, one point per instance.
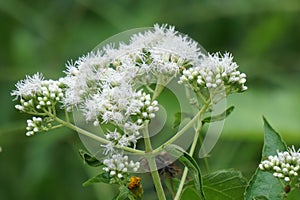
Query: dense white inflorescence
<point x="215" y="72"/>
<point x="118" y="164"/>
<point x="285" y="165"/>
<point x="112" y="86"/>
<point x="36" y="96"/>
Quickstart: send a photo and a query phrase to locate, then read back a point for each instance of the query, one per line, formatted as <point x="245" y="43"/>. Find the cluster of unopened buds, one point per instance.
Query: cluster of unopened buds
<point x="38" y="93"/>
<point x="33" y="125"/>
<point x="118" y="165"/>
<point x="215" y="71"/>
<point x="285" y="165"/>
<point x="148" y="108"/>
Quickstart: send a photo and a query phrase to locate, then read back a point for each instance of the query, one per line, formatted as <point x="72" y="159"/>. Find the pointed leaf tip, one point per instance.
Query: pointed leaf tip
<point x="263" y="185"/>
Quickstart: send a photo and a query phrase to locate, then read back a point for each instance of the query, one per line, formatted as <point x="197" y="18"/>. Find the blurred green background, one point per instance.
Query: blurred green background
<point x="264" y="37"/>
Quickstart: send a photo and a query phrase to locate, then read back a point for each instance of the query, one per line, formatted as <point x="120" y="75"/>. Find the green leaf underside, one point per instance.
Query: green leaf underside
<point x="219" y="117"/>
<point x="263" y="185"/>
<point x="89" y="159"/>
<point x="224" y="185"/>
<point x="191" y="164"/>
<point x="101" y="178"/>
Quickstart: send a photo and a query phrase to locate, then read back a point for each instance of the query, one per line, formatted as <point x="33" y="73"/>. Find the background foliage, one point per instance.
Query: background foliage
<point x="42" y="35"/>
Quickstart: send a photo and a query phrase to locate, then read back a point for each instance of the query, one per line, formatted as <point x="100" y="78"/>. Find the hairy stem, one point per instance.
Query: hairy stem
<point x="153" y="166"/>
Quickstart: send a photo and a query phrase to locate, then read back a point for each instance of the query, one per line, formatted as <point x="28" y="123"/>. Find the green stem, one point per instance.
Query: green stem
<point x="191" y="152"/>
<point x="160" y="85"/>
<point x="181" y="184"/>
<point x="152" y="165"/>
<point x="67" y="116"/>
<point x="93" y="136"/>
<point x="158" y="88"/>
<point x="205" y="158"/>
<point x="200" y="96"/>
<point x="182" y="131"/>
<point x="37" y="114"/>
<point x="57" y="126"/>
<point x="149" y="89"/>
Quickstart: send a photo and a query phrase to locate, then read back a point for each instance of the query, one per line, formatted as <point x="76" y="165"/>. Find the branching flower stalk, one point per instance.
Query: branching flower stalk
<point x="191" y="152"/>
<point x="118" y="86"/>
<point x="152" y="165"/>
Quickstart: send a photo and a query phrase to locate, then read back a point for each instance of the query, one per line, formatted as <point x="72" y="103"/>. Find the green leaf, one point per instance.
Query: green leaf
<point x="172" y="184"/>
<point x="272" y="141"/>
<point x="189" y="194"/>
<point x="101" y="178"/>
<point x="219" y="117"/>
<point x="264" y="183"/>
<point x="224" y="185"/>
<point x="178" y="117"/>
<point x="260" y="198"/>
<point x="190" y="163"/>
<point x="123" y="194"/>
<point x="89" y="159"/>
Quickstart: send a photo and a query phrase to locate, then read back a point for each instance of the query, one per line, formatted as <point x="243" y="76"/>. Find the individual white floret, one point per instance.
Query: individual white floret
<point x="287" y="179"/>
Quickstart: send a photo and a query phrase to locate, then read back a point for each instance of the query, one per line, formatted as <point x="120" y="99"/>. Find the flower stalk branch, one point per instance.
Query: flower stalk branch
<point x="191" y="152"/>
<point x="182" y="131"/>
<point x="152" y="164"/>
<point x="94" y="137"/>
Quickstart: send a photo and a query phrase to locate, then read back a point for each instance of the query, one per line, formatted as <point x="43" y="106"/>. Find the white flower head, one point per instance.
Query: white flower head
<point x="284" y="165"/>
<point x="215" y="72"/>
<point x="35" y="93"/>
<point x="118" y="165"/>
<point x="160" y="50"/>
<point x="29" y="86"/>
<point x="113" y="86"/>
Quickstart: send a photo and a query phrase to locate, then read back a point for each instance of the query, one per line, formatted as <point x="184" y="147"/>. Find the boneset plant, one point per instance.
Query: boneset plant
<point x="115" y="94"/>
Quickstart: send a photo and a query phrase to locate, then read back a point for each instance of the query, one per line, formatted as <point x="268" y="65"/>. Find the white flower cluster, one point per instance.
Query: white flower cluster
<point x="36" y="97"/>
<point x="104" y="84"/>
<point x="285" y="165"/>
<point x="113" y="85"/>
<point x="126" y="139"/>
<point x="118" y="164"/>
<point x="37" y="94"/>
<point x="215" y="71"/>
<point x="148" y="108"/>
<point x="34" y="125"/>
<point x="144" y="110"/>
<point x="117" y="104"/>
<point x="161" y="51"/>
